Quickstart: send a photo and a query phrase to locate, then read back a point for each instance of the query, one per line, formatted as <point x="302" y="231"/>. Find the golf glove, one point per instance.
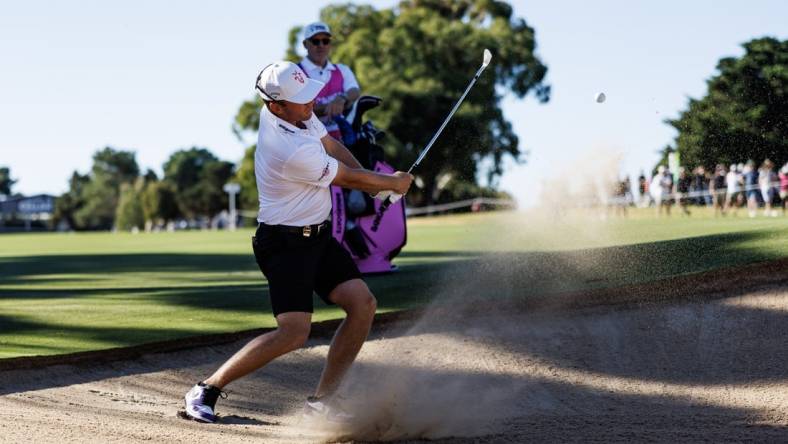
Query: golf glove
<point x="382" y="195"/>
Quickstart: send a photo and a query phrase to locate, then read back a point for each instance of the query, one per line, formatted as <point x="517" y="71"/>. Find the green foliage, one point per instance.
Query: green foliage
<point x="743" y="115"/>
<point x="71" y="201"/>
<point x="5" y="181"/>
<point x="248" y="117"/>
<point x="159" y="205"/>
<point x="213" y="199"/>
<point x="129" y="213"/>
<point x="198" y="177"/>
<point x="98" y="197"/>
<point x="115" y="195"/>
<point x="115" y="166"/>
<point x="100" y="201"/>
<point x="248" y="199"/>
<point x="419" y="57"/>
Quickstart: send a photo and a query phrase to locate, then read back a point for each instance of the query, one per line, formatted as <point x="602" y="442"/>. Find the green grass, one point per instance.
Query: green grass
<point x="62" y="293"/>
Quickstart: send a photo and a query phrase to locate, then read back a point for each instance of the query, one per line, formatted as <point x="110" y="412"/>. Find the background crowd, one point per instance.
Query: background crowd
<point x="727" y="189"/>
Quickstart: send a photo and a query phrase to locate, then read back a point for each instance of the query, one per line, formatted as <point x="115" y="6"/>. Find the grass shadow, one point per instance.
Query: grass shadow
<point x="519" y="276"/>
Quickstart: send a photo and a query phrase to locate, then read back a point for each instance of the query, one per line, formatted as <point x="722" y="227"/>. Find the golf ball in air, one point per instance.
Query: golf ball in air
<point x="600" y="97"/>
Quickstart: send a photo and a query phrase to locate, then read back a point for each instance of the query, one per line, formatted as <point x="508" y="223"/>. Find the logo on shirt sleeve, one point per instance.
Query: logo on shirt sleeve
<point x="325" y="172"/>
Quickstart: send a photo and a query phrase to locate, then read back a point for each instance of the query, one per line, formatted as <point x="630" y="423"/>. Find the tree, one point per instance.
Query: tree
<point x="214" y="176"/>
<point x="129" y="213"/>
<point x="116" y="166"/>
<point x="111" y="168"/>
<point x="5" y="181"/>
<point x="158" y="203"/>
<point x="420" y="57"/>
<point x="743" y="114"/>
<point x="198" y="177"/>
<point x="244" y="177"/>
<point x="71" y="201"/>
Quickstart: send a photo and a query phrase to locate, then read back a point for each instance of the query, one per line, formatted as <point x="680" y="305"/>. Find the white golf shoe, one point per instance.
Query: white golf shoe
<point x="201" y="402"/>
<point x="326" y="408"/>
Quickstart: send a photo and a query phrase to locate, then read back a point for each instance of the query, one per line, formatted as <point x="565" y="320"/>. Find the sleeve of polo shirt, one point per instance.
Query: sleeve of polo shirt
<point x="349" y="79"/>
<point x="311" y="164"/>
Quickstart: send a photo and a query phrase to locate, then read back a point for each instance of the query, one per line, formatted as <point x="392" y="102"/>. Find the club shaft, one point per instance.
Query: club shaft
<point x="387" y="202"/>
<point x="446" y="121"/>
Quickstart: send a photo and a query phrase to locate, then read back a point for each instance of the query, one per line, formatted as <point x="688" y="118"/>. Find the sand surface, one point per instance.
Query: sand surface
<point x="711" y="370"/>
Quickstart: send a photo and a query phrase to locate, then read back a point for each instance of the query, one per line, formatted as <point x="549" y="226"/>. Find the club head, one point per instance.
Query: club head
<point x="487" y="58"/>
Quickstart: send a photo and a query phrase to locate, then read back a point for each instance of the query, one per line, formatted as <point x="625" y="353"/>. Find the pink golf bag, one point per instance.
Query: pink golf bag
<point x="353" y="211"/>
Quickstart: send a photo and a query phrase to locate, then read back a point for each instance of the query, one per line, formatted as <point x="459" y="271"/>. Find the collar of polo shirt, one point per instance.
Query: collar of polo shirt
<point x="280" y="124"/>
<point x="310" y="65"/>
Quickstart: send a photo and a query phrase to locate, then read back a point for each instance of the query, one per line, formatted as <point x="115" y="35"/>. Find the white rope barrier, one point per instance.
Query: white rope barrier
<point x="429" y="209"/>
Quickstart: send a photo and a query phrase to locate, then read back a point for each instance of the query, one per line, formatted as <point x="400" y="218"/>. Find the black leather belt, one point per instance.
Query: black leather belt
<point x="306" y="231"/>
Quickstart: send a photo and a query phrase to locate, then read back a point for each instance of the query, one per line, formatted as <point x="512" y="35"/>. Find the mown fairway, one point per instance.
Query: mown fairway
<point x="62" y="293"/>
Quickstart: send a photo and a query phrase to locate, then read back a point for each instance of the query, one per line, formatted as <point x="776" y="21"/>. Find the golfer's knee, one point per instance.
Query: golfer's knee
<point x="293" y="336"/>
<point x="365" y="305"/>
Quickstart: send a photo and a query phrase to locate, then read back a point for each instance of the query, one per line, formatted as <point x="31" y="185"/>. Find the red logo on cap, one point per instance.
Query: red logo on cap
<point x="297" y="75"/>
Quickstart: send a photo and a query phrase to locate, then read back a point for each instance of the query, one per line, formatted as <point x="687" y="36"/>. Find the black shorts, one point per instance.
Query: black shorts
<point x="296" y="266"/>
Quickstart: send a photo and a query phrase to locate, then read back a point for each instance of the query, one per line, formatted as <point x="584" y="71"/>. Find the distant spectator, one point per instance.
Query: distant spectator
<point x="643" y="194"/>
<point x="661" y="189"/>
<point x="767" y="180"/>
<point x="700" y="186"/>
<point x="784" y="186"/>
<point x="740" y="174"/>
<point x="718" y="187"/>
<point x="751" y="187"/>
<point x="622" y="196"/>
<point x="628" y="191"/>
<point x="682" y="189"/>
<point x="735" y="196"/>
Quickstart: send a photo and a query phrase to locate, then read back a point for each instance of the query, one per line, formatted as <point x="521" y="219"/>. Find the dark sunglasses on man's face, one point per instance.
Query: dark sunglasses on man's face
<point x="316" y="42"/>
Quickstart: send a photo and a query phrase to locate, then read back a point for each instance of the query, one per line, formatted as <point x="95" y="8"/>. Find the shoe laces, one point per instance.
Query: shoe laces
<point x="210" y="394"/>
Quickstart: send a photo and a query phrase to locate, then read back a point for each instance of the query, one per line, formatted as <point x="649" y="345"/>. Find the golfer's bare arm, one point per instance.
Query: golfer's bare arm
<point x="352" y="175"/>
<point x="339" y="152"/>
<point x="370" y="181"/>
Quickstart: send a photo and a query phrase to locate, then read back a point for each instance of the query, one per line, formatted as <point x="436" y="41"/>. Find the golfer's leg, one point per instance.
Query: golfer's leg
<point x="291" y="333"/>
<point x="358" y="302"/>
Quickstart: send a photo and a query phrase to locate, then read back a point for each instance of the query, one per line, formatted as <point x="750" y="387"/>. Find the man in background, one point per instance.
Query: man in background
<point x="341" y="88"/>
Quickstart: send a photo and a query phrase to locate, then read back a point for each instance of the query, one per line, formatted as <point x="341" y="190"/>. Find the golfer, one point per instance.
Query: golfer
<point x="295" y="163"/>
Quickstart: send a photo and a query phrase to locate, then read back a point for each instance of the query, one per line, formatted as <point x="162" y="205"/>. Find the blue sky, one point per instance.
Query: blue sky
<point x="155" y="77"/>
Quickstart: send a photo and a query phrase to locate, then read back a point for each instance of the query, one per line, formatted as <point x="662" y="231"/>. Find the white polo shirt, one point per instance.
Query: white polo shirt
<point x="293" y="172"/>
<point x="323" y="74"/>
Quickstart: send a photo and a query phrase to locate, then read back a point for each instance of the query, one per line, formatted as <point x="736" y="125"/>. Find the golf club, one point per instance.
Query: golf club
<point x="392" y="197"/>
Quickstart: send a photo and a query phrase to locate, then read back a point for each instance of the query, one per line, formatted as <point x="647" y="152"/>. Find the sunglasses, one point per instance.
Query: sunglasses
<point x="316" y="42"/>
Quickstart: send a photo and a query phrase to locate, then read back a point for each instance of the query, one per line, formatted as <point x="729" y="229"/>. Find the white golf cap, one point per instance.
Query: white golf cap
<point x="316" y="28"/>
<point x="287" y="81"/>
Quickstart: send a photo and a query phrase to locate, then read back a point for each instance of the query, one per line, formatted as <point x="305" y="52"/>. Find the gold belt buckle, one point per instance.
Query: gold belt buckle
<point x="307" y="231"/>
